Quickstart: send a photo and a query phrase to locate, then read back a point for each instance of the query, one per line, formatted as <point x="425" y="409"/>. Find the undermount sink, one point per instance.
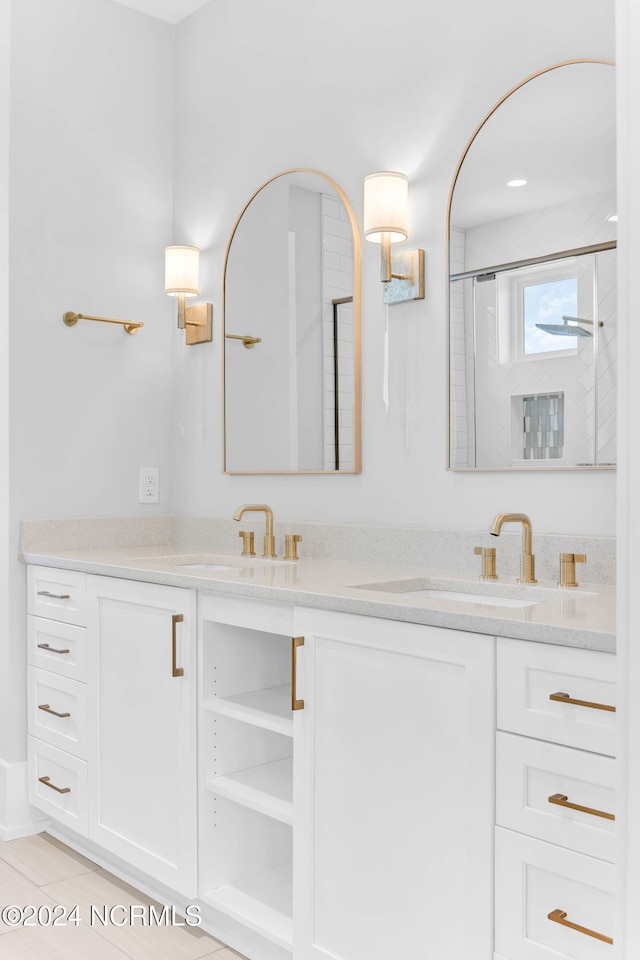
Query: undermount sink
<point x="487" y="593"/>
<point x="492" y="601"/>
<point x="204" y="561"/>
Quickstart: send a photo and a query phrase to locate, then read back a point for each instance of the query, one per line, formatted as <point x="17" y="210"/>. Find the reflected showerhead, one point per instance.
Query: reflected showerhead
<point x="563" y="330"/>
<point x="566" y="328"/>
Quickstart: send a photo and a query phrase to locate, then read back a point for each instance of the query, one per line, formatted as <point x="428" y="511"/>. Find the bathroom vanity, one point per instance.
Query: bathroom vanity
<point x="327" y="758"/>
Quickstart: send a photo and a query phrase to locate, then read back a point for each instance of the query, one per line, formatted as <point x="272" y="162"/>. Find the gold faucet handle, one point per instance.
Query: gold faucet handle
<point x="291" y="542"/>
<point x="568" y="568"/>
<point x="247" y="543"/>
<point x="488" y="555"/>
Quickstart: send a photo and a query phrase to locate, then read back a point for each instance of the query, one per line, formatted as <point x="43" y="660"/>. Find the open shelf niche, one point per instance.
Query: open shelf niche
<point x="247" y="778"/>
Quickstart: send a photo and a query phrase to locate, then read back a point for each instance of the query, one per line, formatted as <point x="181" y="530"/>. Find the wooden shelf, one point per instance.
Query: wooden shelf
<point x="263" y="903"/>
<point x="267" y="788"/>
<point x="269" y="708"/>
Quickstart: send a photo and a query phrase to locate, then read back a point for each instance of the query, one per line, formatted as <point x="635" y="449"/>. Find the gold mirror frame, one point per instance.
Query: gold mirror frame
<point x="518" y="86"/>
<point x="357" y="332"/>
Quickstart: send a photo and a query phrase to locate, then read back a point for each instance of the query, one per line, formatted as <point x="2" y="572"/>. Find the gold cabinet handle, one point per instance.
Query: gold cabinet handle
<point x="563" y="801"/>
<point x="54" y="596"/>
<point x="175" y="670"/>
<point x="45" y="646"/>
<point x="559" y="916"/>
<point x="47" y="709"/>
<point x="47" y="783"/>
<point x="295" y="643"/>
<point x="565" y="698"/>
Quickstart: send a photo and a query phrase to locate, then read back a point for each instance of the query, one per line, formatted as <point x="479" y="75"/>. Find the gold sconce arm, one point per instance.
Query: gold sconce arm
<point x="70" y="319"/>
<point x="246" y="340"/>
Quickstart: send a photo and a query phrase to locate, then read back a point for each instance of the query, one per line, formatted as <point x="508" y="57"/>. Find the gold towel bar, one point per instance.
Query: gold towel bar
<point x="70" y="319"/>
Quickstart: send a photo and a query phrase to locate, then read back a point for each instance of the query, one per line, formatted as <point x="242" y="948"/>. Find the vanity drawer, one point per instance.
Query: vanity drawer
<point x="534" y="879"/>
<point x="529" y="674"/>
<point x="57" y="594"/>
<point x="58" y="647"/>
<point x="530" y="772"/>
<point x="63" y="794"/>
<point x="58" y="711"/>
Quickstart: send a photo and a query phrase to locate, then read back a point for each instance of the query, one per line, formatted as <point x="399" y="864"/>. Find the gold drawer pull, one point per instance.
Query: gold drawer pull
<point x="55" y="596"/>
<point x="295" y="643"/>
<point x="175" y="670"/>
<point x="565" y="698"/>
<point x="45" y="646"/>
<point x="47" y="709"/>
<point x="563" y="801"/>
<point x="47" y="783"/>
<point x="559" y="916"/>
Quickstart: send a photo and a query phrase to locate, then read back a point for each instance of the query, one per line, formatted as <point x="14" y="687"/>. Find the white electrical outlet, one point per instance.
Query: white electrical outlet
<point x="149" y="485"/>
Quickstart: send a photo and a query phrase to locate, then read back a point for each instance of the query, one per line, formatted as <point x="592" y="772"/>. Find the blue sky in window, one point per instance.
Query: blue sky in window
<point x="546" y="303"/>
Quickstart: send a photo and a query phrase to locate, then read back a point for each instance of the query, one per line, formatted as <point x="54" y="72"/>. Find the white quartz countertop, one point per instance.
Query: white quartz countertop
<point x="542" y="612"/>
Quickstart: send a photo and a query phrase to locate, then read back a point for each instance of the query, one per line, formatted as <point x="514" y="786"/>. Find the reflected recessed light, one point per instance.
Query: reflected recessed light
<point x="516" y="183"/>
<point x="613" y="218"/>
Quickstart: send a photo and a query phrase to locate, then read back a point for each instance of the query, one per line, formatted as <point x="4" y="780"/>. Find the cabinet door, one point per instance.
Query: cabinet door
<point x="142" y="725"/>
<point x="393" y="790"/>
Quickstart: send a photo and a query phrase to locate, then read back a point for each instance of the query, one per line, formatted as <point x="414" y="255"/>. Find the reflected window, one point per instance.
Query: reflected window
<point x="544" y="306"/>
<point x="537" y="306"/>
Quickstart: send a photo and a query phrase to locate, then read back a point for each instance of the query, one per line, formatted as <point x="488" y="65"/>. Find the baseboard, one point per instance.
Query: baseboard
<point x="17" y="817"/>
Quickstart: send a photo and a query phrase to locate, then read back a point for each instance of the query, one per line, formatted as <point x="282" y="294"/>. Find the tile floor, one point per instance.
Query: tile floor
<point x="41" y="871"/>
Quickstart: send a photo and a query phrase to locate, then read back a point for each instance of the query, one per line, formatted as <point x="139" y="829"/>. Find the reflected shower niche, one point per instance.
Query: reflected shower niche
<point x="538" y="427"/>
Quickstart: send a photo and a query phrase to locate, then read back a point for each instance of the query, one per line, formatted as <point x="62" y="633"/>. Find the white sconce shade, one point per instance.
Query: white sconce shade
<point x="182" y="271"/>
<point x="386" y="207"/>
<point x="386" y="221"/>
<point x="182" y="280"/>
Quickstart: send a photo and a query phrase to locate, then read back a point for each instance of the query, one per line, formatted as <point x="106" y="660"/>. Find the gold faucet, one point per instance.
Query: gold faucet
<point x="527" y="559"/>
<point x="488" y="555"/>
<point x="269" y="540"/>
<point x="568" y="568"/>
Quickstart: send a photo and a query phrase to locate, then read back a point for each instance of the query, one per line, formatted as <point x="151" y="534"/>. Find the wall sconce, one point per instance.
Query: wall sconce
<point x="182" y="280"/>
<point x="386" y="216"/>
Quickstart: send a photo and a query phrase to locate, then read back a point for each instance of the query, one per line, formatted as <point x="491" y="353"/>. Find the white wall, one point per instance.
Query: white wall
<point x="628" y="108"/>
<point x="257" y="93"/>
<point x="6" y="706"/>
<point x="91" y="209"/>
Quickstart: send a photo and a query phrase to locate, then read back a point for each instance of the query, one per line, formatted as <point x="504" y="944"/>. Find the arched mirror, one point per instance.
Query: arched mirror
<point x="532" y="271"/>
<point x="292" y="381"/>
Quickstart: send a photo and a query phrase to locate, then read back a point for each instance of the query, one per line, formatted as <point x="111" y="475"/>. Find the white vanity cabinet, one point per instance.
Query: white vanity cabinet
<point x="327" y="785"/>
<point x="57" y="747"/>
<point x="142" y="727"/>
<point x="393" y="772"/>
<point x="555" y="803"/>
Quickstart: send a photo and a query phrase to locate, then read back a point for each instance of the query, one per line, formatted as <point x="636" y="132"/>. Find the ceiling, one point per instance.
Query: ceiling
<point x="557" y="132"/>
<point x="173" y="11"/>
